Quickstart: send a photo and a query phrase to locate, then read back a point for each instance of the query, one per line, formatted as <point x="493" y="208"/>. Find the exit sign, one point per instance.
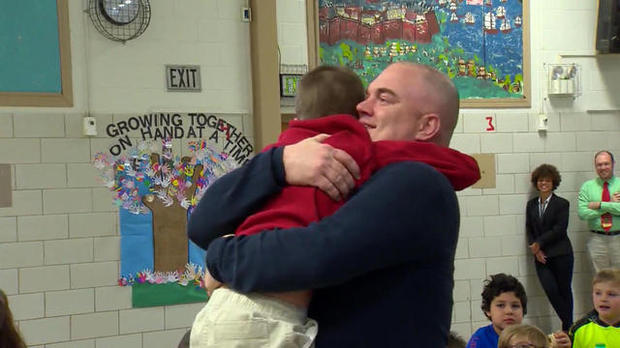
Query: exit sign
<point x="183" y="78"/>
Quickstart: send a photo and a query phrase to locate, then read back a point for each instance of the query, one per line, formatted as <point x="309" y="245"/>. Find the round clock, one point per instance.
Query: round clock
<point x="120" y="20"/>
<point x="120" y="12"/>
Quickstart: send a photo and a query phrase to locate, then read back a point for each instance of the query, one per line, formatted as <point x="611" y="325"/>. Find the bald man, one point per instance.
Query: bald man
<point x="382" y="265"/>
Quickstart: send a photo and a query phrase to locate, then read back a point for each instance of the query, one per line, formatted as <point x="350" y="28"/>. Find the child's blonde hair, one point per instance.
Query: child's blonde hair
<point x="529" y="332"/>
<point x="611" y="275"/>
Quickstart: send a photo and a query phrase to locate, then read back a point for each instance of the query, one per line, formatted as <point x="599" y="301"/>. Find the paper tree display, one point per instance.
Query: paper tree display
<point x="166" y="185"/>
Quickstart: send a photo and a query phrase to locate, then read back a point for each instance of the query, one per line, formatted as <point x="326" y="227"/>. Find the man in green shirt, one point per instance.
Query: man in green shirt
<point x="599" y="205"/>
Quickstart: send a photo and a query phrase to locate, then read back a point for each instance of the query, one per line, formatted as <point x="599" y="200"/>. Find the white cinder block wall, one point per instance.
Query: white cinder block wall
<point x="492" y="236"/>
<point x="59" y="250"/>
<point x="59" y="242"/>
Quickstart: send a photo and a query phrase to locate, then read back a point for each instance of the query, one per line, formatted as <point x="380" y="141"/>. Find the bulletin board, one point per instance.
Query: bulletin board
<point x="482" y="45"/>
<point x="35" y="55"/>
<point x="156" y="188"/>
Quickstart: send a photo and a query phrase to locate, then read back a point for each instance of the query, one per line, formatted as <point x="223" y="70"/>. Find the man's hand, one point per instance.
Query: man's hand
<point x="534" y="247"/>
<point x="595" y="205"/>
<point x="310" y="163"/>
<point x="210" y="283"/>
<point x="541" y="257"/>
<point x="615" y="197"/>
<point x="561" y="340"/>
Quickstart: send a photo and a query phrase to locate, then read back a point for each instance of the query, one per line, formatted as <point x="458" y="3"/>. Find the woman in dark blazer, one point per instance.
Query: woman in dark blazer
<point x="546" y="220"/>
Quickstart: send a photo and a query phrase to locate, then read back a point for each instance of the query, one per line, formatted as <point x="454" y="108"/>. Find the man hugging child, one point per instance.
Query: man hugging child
<point x="325" y="104"/>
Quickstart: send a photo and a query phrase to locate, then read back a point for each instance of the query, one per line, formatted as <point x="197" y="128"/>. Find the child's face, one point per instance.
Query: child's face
<point x="521" y="342"/>
<point x="505" y="310"/>
<point x="606" y="299"/>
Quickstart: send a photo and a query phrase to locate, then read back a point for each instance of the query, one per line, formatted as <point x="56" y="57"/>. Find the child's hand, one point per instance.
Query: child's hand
<point x="561" y="340"/>
<point x="210" y="283"/>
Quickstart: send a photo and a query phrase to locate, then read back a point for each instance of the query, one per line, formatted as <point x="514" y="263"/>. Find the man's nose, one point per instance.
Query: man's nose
<point x="364" y="106"/>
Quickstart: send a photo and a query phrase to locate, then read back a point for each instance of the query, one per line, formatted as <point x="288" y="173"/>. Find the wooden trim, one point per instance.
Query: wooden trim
<point x="265" y="73"/>
<point x="312" y="33"/>
<point x="65" y="97"/>
<point x="65" y="51"/>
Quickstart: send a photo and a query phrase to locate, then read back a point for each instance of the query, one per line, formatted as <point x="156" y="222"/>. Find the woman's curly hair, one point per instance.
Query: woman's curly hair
<point x="546" y="171"/>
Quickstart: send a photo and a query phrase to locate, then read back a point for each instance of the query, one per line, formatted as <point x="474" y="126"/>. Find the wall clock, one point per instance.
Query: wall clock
<point x="120" y="20"/>
<point x="120" y="12"/>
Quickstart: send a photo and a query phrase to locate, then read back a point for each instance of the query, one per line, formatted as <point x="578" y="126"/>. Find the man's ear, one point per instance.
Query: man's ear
<point x="428" y="127"/>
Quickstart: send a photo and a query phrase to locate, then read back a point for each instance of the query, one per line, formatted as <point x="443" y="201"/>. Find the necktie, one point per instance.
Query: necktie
<point x="606" y="219"/>
<point x="541" y="208"/>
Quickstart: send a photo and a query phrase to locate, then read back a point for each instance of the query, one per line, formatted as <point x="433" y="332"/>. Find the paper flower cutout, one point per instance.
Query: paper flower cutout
<point x="191" y="275"/>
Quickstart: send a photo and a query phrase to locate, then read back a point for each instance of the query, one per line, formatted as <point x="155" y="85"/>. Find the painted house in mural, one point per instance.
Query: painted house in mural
<point x="366" y="26"/>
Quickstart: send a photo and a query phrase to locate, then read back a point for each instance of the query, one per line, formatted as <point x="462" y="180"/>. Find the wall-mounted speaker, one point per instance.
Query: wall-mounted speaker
<point x="608" y="26"/>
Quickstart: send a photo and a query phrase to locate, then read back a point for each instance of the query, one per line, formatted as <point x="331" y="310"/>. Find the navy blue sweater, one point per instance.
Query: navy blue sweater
<point x="381" y="266"/>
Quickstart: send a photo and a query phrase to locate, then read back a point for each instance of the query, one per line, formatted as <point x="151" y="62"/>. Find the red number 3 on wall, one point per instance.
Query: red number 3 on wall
<point x="491" y="127"/>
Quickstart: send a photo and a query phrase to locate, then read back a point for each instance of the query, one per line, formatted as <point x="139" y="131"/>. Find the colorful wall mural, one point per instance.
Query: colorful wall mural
<point x="479" y="44"/>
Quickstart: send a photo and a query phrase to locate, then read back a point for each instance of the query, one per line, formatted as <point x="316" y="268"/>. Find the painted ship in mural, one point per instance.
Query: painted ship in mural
<point x="470" y="19"/>
<point x="500" y="12"/>
<point x="505" y="26"/>
<point x="490" y="23"/>
<point x="518" y="21"/>
<point x="454" y="18"/>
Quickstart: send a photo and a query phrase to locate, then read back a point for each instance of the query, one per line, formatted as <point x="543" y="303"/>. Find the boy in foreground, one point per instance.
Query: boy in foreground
<point x="504" y="302"/>
<point x="601" y="327"/>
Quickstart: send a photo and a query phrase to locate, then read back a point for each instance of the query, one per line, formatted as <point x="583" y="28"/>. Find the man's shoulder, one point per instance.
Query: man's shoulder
<point x="588" y="183"/>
